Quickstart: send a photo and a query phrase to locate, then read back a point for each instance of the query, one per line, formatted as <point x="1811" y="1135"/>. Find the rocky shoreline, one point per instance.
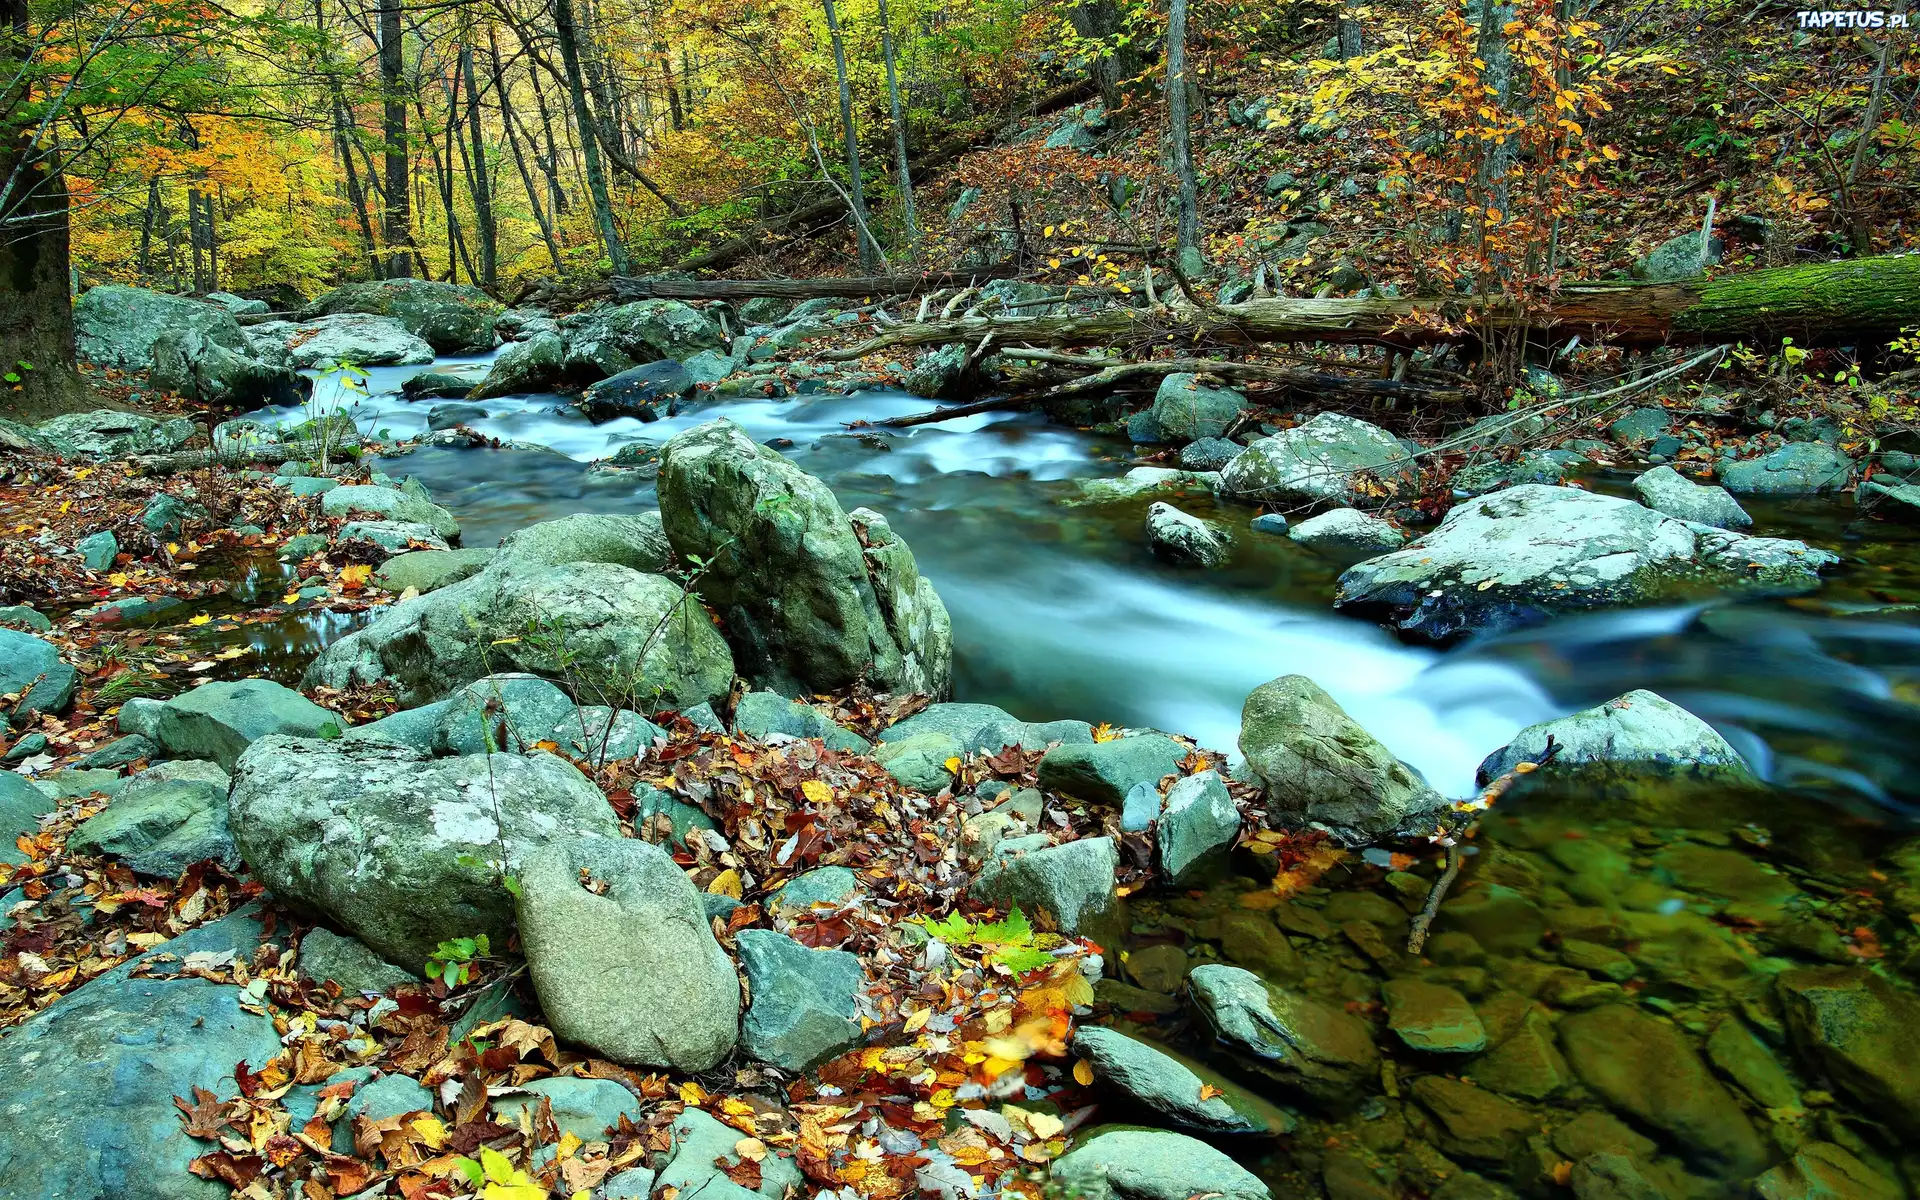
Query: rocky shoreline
<point x="649" y="855"/>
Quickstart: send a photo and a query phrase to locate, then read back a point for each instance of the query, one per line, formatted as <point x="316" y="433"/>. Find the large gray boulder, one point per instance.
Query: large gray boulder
<point x="390" y="504"/>
<point x="614" y="338"/>
<point x="813" y="598"/>
<point x="109" y="433"/>
<point x="1348" y="531"/>
<point x="400" y="850"/>
<point x="1677" y="258"/>
<point x="530" y="366"/>
<point x="585" y="622"/>
<point x="1151" y="1164"/>
<point x="630" y="970"/>
<point x="1638" y="736"/>
<point x="88" y="1112"/>
<point x="32" y="669"/>
<point x="1521" y="555"/>
<point x="448" y="317"/>
<point x="219" y="721"/>
<point x="635" y="540"/>
<point x="1318" y="767"/>
<point x="1161" y="1083"/>
<point x="1664" y="489"/>
<point x="1186" y="410"/>
<point x="1797" y="469"/>
<point x="358" y="338"/>
<point x="805" y="1005"/>
<point x="1320" y="462"/>
<point x="186" y="346"/>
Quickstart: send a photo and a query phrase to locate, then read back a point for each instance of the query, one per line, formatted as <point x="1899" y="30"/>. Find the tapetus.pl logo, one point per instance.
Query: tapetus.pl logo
<point x="1831" y="18"/>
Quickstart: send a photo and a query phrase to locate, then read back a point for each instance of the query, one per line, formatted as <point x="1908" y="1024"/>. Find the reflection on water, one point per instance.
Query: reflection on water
<point x="1061" y="611"/>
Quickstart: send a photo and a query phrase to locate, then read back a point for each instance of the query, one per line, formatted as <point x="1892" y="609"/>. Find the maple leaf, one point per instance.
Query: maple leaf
<point x="205" y="1117"/>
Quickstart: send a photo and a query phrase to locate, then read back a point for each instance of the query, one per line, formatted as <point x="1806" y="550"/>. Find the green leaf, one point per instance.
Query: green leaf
<point x="11" y="377"/>
<point x="512" y="885"/>
<point x="1011" y="930"/>
<point x="434" y="968"/>
<point x="498" y="1168"/>
<point x="475" y="1174"/>
<point x="1020" y="961"/>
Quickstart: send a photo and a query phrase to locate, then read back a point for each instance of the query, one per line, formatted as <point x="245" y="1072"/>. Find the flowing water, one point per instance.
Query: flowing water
<point x="1587" y="912"/>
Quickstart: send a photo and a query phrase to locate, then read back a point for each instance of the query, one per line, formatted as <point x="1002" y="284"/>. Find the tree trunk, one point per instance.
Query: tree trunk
<point x="589" y="144"/>
<point x="148" y="219"/>
<point x="1189" y="230"/>
<point x="902" y="167"/>
<point x="803" y="289"/>
<point x="507" y="123"/>
<point x="856" y="185"/>
<point x="1837" y="303"/>
<point x="398" y="220"/>
<point x="479" y="184"/>
<point x="1352" y="44"/>
<point x="1117" y="63"/>
<point x="1859" y="227"/>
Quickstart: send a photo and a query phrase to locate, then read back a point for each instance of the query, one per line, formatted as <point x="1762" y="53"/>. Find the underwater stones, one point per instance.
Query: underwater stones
<point x="1104" y="772"/>
<point x="1311" y="1047"/>
<point x="1664" y="489"/>
<point x="1073" y="883"/>
<point x="1317" y="766"/>
<point x="1524" y="1060"/>
<point x="1862" y="1033"/>
<point x="1645" y="1068"/>
<point x="1742" y="1057"/>
<point x="1824" y="1171"/>
<point x="813" y="597"/>
<point x="1186" y="540"/>
<point x="1250" y="939"/>
<point x="633" y="972"/>
<point x="1150" y="1164"/>
<point x="1432" y="1017"/>
<point x="1161" y="1083"/>
<point x="1519" y="556"/>
<point x="1476" y="1124"/>
<point x="1630" y="737"/>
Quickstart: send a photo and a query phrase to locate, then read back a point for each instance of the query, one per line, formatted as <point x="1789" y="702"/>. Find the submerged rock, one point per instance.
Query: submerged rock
<point x="814" y="598"/>
<point x="398" y="849"/>
<point x="1144" y="481"/>
<point x="1319" y="1051"/>
<point x="1519" y="556"/>
<point x="1151" y="1164"/>
<point x="1432" y="1017"/>
<point x="1664" y="489"/>
<point x="1824" y="1171"/>
<point x="1861" y="1032"/>
<point x="1155" y="1080"/>
<point x="1318" y="462"/>
<point x="1186" y="540"/>
<point x="1317" y="766"/>
<point x="631" y="970"/>
<point x="1631" y="737"/>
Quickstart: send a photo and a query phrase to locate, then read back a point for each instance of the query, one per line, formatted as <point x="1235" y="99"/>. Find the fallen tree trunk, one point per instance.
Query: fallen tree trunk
<point x="1824" y="304"/>
<point x="629" y="288"/>
<point x="1115" y="372"/>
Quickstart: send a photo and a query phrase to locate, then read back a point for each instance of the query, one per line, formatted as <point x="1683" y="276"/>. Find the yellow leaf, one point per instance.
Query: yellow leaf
<point x="431" y="1131"/>
<point x="202" y="619"/>
<point x="726" y="883"/>
<point x="65" y="505"/>
<point x="1083" y="1073"/>
<point x="173" y="547"/>
<point x="751" y="1149"/>
<point x="514" y="1191"/>
<point x="355" y="576"/>
<point x="496" y="1165"/>
<point x="118" y="579"/>
<point x="505" y="641"/>
<point x="1044" y="1125"/>
<point x="953" y="766"/>
<point x="816" y="792"/>
<point x="292" y="597"/>
<point x="918" y="1020"/>
<point x="692" y="1093"/>
<point x="570" y="1144"/>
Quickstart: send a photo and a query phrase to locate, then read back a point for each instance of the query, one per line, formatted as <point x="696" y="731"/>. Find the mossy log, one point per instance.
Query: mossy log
<point x="1860" y="300"/>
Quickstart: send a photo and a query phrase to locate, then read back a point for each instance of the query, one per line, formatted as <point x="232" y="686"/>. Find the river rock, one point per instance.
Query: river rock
<point x="1318" y="462"/>
<point x="534" y="365"/>
<point x="186" y="346"/>
<point x="1525" y="1060"/>
<point x="1521" y="555"/>
<point x="1161" y="1083"/>
<point x="390" y="504"/>
<point x="920" y="762"/>
<point x="219" y="721"/>
<point x="585" y="1108"/>
<point x="1862" y="1033"/>
<point x="1199" y="818"/>
<point x="1432" y="1017"/>
<point x="400" y="850"/>
<point x="438" y="385"/>
<point x="1140" y="482"/>
<point x="634" y="973"/>
<point x="21" y="807"/>
<point x="701" y="1151"/>
<point x="88" y="1112"/>
<point x="1824" y="1171"/>
<point x="635" y="540"/>
<point x="613" y="338"/>
<point x="1186" y="540"/>
<point x="32" y="670"/>
<point x="1104" y="772"/>
<point x="1743" y="1058"/>
<point x="449" y="317"/>
<point x="762" y="714"/>
<point x="98" y="550"/>
<point x="1348" y="531"/>
<point x="1664" y="489"/>
<point x="1646" y="1069"/>
<point x="164" y="820"/>
<point x="1187" y="410"/>
<point x="813" y="598"/>
<point x="987" y="728"/>
<point x="452" y="416"/>
<point x="361" y="339"/>
<point x="636" y="391"/>
<point x="1316" y="765"/>
<point x="506" y="713"/>
<point x="1151" y="1164"/>
<point x="1534" y="466"/>
<point x="510" y="617"/>
<point x="425" y="570"/>
<point x="937" y="374"/>
<point x="1209" y="454"/>
<point x="1475" y="1124"/>
<point x="27" y="615"/>
<point x="1797" y="469"/>
<point x="1310" y="1047"/>
<point x="1636" y="736"/>
<point x="1073" y="883"/>
<point x="805" y="1005"/>
<point x="830" y="886"/>
<point x="110" y="433"/>
<point x="326" y="955"/>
